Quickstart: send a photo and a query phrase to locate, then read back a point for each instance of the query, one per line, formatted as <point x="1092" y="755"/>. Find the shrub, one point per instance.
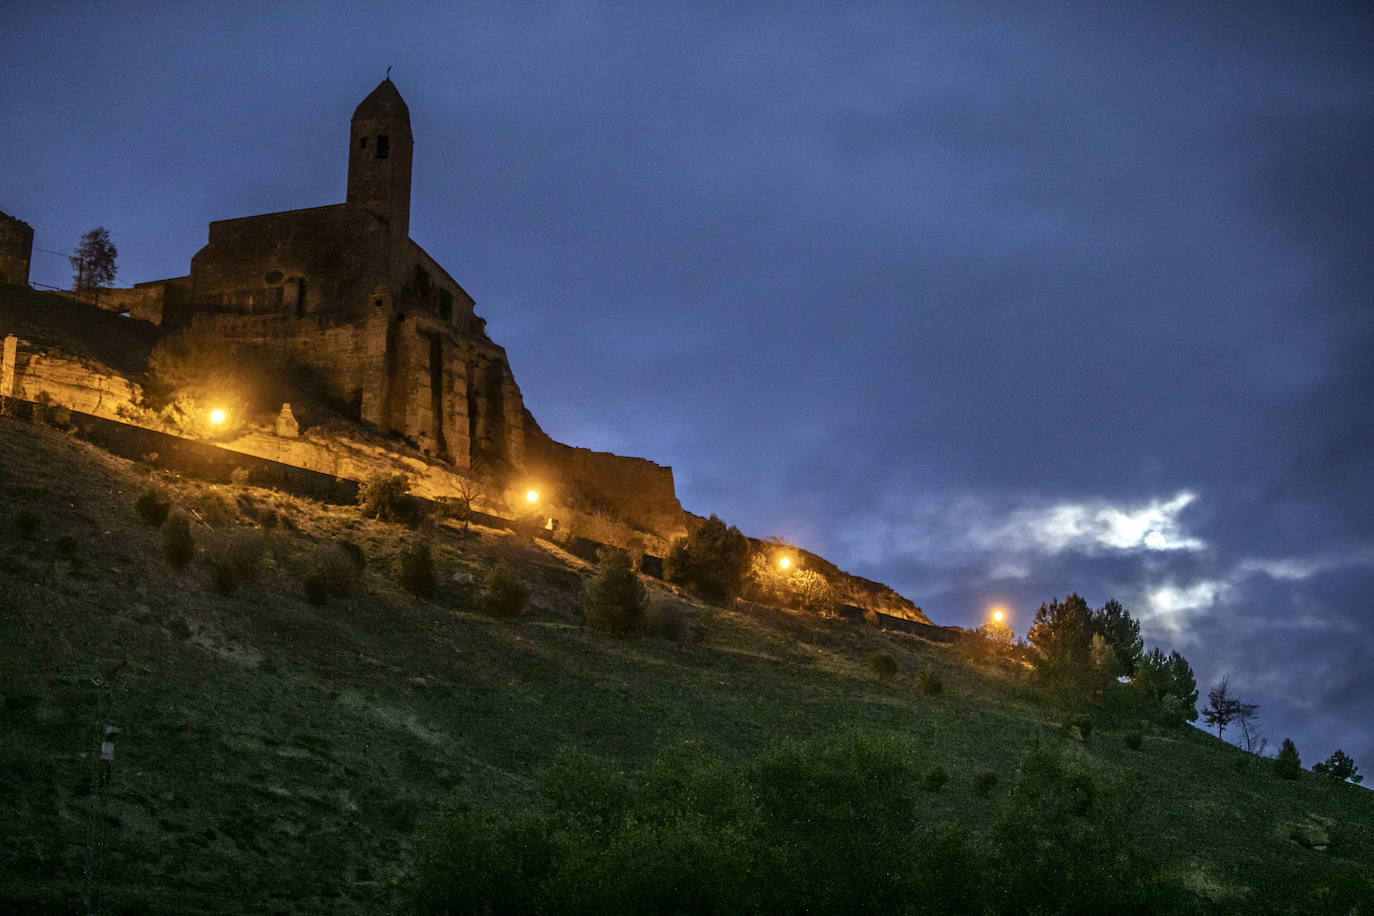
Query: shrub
<point x="25" y="521"/>
<point x="1339" y="767"/>
<point x="152" y="509"/>
<point x="671" y="621"/>
<point x="983" y="783"/>
<point x="1079" y="727"/>
<point x="929" y="682"/>
<point x="1133" y="740"/>
<point x="710" y="562"/>
<point x="615" y="599"/>
<point x="383" y="496"/>
<point x="416" y="572"/>
<point x="245" y="550"/>
<point x="178" y="546"/>
<point x="239" y="477"/>
<point x="223" y="577"/>
<point x="328" y="572"/>
<point x="935" y="779"/>
<point x="883" y="666"/>
<point x="1288" y="765"/>
<point x="503" y="595"/>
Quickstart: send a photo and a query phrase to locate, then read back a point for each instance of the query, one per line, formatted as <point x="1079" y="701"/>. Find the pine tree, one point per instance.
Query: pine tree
<point x="94" y="261"/>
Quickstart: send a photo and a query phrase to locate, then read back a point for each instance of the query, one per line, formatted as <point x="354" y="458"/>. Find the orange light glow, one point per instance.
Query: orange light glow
<point x="998" y="614"/>
<point x="532" y="496"/>
<point x="217" y="416"/>
<point x="784" y="562"/>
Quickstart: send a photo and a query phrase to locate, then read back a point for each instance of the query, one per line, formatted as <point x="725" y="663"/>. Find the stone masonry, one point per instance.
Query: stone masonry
<point x="16" y="249"/>
<point x="343" y="291"/>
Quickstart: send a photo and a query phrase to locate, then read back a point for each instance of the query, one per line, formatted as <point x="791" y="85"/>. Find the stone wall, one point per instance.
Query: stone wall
<point x="16" y="249"/>
<point x="639" y="491"/>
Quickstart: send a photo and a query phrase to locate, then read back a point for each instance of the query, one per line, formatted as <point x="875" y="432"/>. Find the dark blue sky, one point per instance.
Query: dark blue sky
<point x="989" y="305"/>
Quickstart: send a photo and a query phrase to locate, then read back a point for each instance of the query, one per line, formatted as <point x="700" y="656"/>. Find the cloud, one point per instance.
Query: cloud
<point x="1170" y="609"/>
<point x="1298" y="569"/>
<point x="1092" y="527"/>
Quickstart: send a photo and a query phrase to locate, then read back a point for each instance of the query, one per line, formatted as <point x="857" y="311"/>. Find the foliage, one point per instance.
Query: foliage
<point x="1081" y="651"/>
<point x="1164" y="689"/>
<point x="1224" y="707"/>
<point x="178" y="546"/>
<point x="503" y="595"/>
<point x="1133" y="739"/>
<point x="94" y="261"/>
<point x="793" y="586"/>
<point x="998" y="634"/>
<point x="153" y="508"/>
<point x="383" y="496"/>
<point x="1288" y="765"/>
<point x="416" y="570"/>
<point x="224" y="578"/>
<point x="1079" y="727"/>
<point x="883" y="665"/>
<point x="25" y="521"/>
<point x="835" y="824"/>
<point x="982" y="783"/>
<point x="670" y="620"/>
<point x="329" y="571"/>
<point x="929" y="682"/>
<point x="615" y="600"/>
<point x="711" y="561"/>
<point x="1339" y="767"/>
<point x="193" y="372"/>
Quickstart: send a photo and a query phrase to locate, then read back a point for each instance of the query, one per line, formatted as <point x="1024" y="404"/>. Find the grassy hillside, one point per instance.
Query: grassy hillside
<point x="279" y="756"/>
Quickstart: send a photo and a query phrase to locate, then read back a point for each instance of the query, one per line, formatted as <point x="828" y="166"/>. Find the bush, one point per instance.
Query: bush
<point x="223" y="577"/>
<point x="152" y="509"/>
<point x="329" y="572"/>
<point x="929" y="682"/>
<point x="1079" y="727"/>
<point x="383" y="496"/>
<point x="710" y="562"/>
<point x="416" y="572"/>
<point x="1133" y="740"/>
<point x="1288" y="765"/>
<point x="178" y="546"/>
<point x="983" y="783"/>
<point x="503" y="595"/>
<point x="671" y="621"/>
<point x="615" y="601"/>
<point x="935" y="779"/>
<point x="239" y="477"/>
<point x="1339" y="767"/>
<point x="244" y="551"/>
<point x="883" y="666"/>
<point x="25" y="521"/>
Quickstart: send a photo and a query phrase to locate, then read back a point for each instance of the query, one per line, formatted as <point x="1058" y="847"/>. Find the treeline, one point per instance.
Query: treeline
<point x="839" y="824"/>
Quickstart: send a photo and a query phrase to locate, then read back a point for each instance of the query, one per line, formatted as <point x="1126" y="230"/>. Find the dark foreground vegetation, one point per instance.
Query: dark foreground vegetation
<point x="315" y="711"/>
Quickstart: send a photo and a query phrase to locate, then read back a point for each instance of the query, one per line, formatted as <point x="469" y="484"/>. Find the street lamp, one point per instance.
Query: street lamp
<point x="784" y="562"/>
<point x="217" y="417"/>
<point x="532" y="496"/>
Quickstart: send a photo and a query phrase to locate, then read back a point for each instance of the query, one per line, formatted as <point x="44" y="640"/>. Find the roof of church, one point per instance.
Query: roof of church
<point x="383" y="103"/>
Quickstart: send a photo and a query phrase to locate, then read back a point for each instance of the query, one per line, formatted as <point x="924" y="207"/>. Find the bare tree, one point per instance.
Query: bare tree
<point x="1223" y="707"/>
<point x="459" y="505"/>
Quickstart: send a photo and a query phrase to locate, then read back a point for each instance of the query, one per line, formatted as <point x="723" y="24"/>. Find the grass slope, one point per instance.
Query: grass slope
<point x="277" y="756"/>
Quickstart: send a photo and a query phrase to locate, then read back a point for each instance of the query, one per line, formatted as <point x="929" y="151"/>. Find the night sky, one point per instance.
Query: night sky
<point x="989" y="305"/>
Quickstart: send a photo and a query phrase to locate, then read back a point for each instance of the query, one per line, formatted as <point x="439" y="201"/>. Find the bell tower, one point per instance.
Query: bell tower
<point x="379" y="157"/>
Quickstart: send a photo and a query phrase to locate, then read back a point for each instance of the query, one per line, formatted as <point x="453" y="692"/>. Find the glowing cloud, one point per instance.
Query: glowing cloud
<point x="1093" y="527"/>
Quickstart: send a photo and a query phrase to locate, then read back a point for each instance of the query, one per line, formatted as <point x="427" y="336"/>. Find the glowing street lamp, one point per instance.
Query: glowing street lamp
<point x="217" y="417"/>
<point x="532" y="497"/>
<point x="784" y="562"/>
<point x="998" y="615"/>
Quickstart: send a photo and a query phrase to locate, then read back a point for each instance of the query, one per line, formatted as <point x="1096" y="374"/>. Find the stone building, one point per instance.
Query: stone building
<point x="16" y="249"/>
<point x="343" y="291"/>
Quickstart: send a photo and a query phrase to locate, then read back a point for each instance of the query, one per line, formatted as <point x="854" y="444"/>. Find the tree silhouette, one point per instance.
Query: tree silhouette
<point x="1223" y="707"/>
<point x="94" y="261"/>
